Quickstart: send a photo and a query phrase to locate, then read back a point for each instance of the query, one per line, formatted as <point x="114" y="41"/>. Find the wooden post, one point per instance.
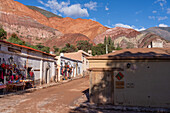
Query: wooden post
<point x="90" y="80"/>
<point x="41" y="71"/>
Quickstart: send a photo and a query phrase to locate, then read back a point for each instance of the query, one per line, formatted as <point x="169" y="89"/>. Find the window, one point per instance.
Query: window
<point x="79" y="70"/>
<point x="14" y="50"/>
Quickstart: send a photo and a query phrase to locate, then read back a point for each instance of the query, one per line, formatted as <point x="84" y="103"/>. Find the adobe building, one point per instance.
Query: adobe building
<point x="68" y="67"/>
<point x="131" y="77"/>
<point x="81" y="56"/>
<point x="27" y="59"/>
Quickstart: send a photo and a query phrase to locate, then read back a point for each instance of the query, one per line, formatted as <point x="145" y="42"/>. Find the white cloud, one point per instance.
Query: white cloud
<point x="162" y="18"/>
<point x="163" y="25"/>
<point x="162" y="3"/>
<point x="123" y="25"/>
<point x="152" y="17"/>
<point x="154" y="11"/>
<point x="91" y="5"/>
<point x="54" y="5"/>
<point x="94" y="19"/>
<point x="106" y="8"/>
<point x="128" y="26"/>
<point x="168" y="11"/>
<point x="74" y="10"/>
<point x="138" y="12"/>
<point x="141" y="29"/>
<point x="108" y="26"/>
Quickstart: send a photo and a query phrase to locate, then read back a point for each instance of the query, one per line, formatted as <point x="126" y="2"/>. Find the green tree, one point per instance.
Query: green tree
<point x="118" y="47"/>
<point x="109" y="40"/>
<point x="105" y="40"/>
<point x="68" y="48"/>
<point x="110" y="44"/>
<point x="55" y="49"/>
<point x="43" y="48"/>
<point x="46" y="49"/>
<point x="14" y="39"/>
<point x="99" y="49"/>
<point x="3" y="33"/>
<point x="84" y="45"/>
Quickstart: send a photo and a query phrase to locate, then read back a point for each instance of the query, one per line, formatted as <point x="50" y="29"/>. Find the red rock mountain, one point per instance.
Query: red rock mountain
<point x="71" y="38"/>
<point x="116" y="32"/>
<point x="31" y="26"/>
<point x="16" y="8"/>
<point x="129" y="38"/>
<point x="84" y="26"/>
<point x="34" y="27"/>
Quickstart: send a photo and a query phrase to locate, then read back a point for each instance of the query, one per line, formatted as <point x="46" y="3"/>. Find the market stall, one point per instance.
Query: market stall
<point x="66" y="71"/>
<point x="2" y="87"/>
<point x="11" y="77"/>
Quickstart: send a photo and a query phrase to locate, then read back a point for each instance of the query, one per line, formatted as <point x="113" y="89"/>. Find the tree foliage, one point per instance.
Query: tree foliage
<point x="55" y="49"/>
<point x="14" y="39"/>
<point x="99" y="49"/>
<point x="3" y="33"/>
<point x="84" y="45"/>
<point x="68" y="48"/>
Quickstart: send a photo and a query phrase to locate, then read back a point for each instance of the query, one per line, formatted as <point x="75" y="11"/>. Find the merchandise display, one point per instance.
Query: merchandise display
<point x="11" y="77"/>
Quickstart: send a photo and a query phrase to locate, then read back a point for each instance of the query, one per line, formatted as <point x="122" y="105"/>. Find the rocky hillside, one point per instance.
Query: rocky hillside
<point x="71" y="38"/>
<point x="84" y="26"/>
<point x="27" y="28"/>
<point x="44" y="12"/>
<point x="129" y="38"/>
<point x="29" y="25"/>
<point x="33" y="25"/>
<point x="161" y="31"/>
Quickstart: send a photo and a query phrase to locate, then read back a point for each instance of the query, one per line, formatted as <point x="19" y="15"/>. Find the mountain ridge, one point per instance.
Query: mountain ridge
<point x="44" y="12"/>
<point x="163" y="32"/>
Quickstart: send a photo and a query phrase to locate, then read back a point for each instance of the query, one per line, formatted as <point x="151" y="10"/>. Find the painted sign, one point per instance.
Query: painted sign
<point x="119" y="76"/>
<point x="120" y="84"/>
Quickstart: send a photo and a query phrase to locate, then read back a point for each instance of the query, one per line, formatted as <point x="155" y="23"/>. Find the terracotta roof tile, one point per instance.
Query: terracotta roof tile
<point x="26" y="48"/>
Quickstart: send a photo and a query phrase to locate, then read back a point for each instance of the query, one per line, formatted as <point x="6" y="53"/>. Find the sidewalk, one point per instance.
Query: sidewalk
<point x="40" y="87"/>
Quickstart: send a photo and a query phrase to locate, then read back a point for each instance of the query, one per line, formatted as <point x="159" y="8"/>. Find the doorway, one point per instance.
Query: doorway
<point x="28" y="71"/>
<point x="46" y="75"/>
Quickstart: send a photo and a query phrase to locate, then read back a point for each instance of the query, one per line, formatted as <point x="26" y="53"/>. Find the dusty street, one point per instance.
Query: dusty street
<point x="55" y="99"/>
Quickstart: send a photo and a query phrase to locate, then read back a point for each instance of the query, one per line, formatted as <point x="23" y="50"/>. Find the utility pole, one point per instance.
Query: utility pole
<point x="106" y="49"/>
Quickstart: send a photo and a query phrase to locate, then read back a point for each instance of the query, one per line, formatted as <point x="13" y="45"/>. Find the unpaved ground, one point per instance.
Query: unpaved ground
<point x="55" y="99"/>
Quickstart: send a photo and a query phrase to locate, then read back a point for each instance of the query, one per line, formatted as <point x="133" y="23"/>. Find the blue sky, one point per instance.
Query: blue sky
<point x="136" y="14"/>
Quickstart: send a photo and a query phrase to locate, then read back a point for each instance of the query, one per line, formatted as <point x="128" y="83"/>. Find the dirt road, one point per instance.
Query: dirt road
<point x="56" y="99"/>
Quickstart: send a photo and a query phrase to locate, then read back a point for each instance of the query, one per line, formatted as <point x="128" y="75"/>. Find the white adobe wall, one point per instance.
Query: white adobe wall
<point x="157" y="43"/>
<point x="35" y="63"/>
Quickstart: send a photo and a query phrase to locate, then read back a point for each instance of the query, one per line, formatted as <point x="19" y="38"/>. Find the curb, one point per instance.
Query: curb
<point x="40" y="87"/>
<point x="122" y="108"/>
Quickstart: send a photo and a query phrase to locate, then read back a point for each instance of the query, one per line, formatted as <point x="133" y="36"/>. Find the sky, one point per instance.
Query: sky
<point x="135" y="14"/>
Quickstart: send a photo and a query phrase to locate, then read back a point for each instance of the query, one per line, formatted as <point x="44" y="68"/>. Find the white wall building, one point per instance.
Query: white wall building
<point x="68" y="67"/>
<point x="26" y="59"/>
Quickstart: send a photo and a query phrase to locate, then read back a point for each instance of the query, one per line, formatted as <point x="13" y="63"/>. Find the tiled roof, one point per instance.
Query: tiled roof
<point x="76" y="55"/>
<point x="73" y="55"/>
<point x="136" y="53"/>
<point x="26" y="48"/>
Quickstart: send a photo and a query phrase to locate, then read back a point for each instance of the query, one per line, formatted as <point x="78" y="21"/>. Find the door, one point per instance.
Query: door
<point x="46" y="76"/>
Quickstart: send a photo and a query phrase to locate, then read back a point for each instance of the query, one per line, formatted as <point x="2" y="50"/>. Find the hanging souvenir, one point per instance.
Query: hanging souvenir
<point x="3" y="65"/>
